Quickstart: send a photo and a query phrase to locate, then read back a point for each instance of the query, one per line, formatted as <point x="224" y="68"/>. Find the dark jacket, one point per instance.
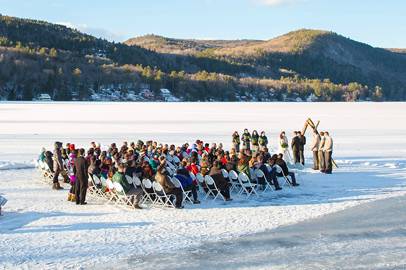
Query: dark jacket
<point x="302" y="142"/>
<point x="94" y="170"/>
<point x="296" y="144"/>
<point x="218" y="178"/>
<point x="283" y="165"/>
<point x="80" y="170"/>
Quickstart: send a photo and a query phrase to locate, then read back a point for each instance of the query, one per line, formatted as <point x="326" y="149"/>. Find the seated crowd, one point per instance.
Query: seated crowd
<point x="150" y="160"/>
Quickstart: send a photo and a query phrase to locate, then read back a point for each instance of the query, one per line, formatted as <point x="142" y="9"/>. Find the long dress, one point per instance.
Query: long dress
<point x="284" y="148"/>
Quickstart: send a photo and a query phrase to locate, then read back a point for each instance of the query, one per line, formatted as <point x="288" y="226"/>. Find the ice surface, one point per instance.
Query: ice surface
<point x="40" y="229"/>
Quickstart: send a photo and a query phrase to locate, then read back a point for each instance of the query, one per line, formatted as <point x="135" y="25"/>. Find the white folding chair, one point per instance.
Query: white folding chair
<point x="161" y="196"/>
<point x="176" y="160"/>
<point x="200" y="180"/>
<point x="225" y="174"/>
<point x="98" y="186"/>
<point x="137" y="182"/>
<point x="111" y="192"/>
<point x="122" y="196"/>
<point x="260" y="175"/>
<point x="246" y="186"/>
<point x="170" y="171"/>
<point x="279" y="171"/>
<point x="233" y="177"/>
<point x="3" y="202"/>
<point x="129" y="179"/>
<point x="212" y="188"/>
<point x="186" y="194"/>
<point x="147" y="197"/>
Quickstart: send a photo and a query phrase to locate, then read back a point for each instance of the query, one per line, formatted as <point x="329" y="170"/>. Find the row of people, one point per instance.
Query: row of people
<point x="149" y="161"/>
<point x="322" y="147"/>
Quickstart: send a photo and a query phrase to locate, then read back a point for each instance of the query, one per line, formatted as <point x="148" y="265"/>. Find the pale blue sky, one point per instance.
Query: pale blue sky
<point x="377" y="22"/>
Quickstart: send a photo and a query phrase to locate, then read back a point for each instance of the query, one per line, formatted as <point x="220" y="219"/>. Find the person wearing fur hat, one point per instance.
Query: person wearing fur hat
<point x="58" y="165"/>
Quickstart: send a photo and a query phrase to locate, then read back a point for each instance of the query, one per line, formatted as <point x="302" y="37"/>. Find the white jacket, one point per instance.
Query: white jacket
<point x="322" y="142"/>
<point x="328" y="144"/>
<point x="315" y="143"/>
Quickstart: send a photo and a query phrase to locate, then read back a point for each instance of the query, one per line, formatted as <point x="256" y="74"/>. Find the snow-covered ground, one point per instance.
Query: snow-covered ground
<point x="40" y="229"/>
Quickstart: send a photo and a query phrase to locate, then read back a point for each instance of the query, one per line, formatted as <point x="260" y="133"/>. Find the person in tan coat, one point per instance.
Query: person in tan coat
<point x="162" y="178"/>
<point x="315" y="149"/>
<point x="328" y="152"/>
<point x="322" y="166"/>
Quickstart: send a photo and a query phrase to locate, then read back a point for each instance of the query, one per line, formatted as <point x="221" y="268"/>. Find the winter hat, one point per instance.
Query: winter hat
<point x="71" y="147"/>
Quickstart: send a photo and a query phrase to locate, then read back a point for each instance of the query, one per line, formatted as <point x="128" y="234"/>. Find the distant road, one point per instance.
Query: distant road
<point x="369" y="236"/>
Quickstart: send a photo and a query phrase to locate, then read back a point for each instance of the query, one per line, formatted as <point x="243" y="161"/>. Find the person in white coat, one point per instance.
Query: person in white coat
<point x="283" y="144"/>
<point x="328" y="153"/>
<point x="315" y="149"/>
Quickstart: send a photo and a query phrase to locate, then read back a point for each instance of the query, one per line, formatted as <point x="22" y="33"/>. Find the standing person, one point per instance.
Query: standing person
<point x="246" y="139"/>
<point x="296" y="147"/>
<point x="302" y="138"/>
<point x="254" y="140"/>
<point x="81" y="172"/>
<point x="322" y="166"/>
<point x="315" y="149"/>
<point x="263" y="141"/>
<point x="328" y="152"/>
<point x="57" y="166"/>
<point x="283" y="146"/>
<point x="236" y="141"/>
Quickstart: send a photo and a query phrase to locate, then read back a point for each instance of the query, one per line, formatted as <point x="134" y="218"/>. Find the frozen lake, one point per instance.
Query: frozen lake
<point x="353" y="125"/>
<point x="41" y="230"/>
<point x="369" y="236"/>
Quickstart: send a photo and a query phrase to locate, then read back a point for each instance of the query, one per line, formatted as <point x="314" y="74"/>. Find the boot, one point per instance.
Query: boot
<point x="69" y="197"/>
<point x="54" y="187"/>
<point x="73" y="198"/>
<point x="58" y="186"/>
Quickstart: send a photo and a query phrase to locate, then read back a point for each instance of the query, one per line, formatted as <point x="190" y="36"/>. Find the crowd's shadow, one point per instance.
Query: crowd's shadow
<point x="16" y="221"/>
<point x="315" y="188"/>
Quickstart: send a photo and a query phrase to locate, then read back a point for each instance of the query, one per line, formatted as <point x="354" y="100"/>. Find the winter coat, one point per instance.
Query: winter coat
<point x="185" y="181"/>
<point x="254" y="139"/>
<point x="321" y="144"/>
<point x="49" y="160"/>
<point x="80" y="170"/>
<point x="163" y="179"/>
<point x="94" y="170"/>
<point x="315" y="142"/>
<point x="283" y="165"/>
<point x="246" y="137"/>
<point x="57" y="157"/>
<point x="243" y="167"/>
<point x="218" y="178"/>
<point x="236" y="139"/>
<point x="302" y="142"/>
<point x="328" y="144"/>
<point x="296" y="144"/>
<point x="263" y="140"/>
<point x="119" y="177"/>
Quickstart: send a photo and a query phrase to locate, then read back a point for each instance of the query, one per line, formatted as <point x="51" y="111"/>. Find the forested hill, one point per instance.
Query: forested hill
<point x="40" y="57"/>
<point x="307" y="53"/>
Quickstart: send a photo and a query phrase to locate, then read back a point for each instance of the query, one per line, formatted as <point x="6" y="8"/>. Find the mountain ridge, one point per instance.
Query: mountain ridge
<point x="48" y="57"/>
